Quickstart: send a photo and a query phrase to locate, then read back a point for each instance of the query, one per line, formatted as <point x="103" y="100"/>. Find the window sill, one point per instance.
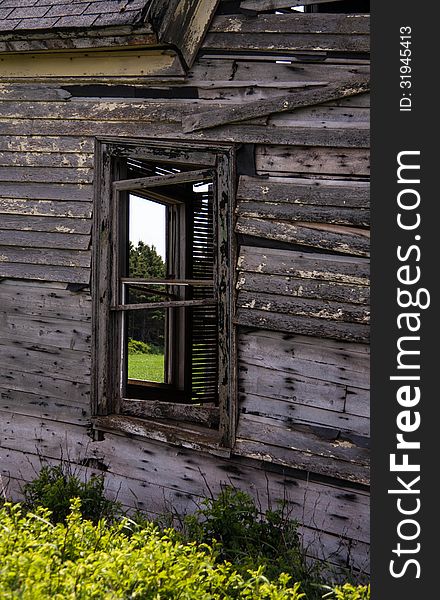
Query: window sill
<point x="185" y="435"/>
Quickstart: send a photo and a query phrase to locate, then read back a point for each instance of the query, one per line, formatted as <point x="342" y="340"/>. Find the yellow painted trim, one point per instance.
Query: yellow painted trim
<point x="94" y="63"/>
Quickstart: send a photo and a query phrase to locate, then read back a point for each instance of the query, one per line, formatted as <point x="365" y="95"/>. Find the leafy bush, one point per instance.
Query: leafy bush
<point x="55" y="487"/>
<point x="247" y="538"/>
<point x="79" y="560"/>
<point x="349" y="592"/>
<point x="137" y="347"/>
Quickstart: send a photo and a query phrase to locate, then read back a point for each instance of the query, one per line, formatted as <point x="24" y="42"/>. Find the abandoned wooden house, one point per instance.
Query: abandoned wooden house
<point x="184" y="281"/>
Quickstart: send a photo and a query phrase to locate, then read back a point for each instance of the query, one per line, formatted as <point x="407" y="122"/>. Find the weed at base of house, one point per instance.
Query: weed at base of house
<point x="55" y="487"/>
<point x="227" y="549"/>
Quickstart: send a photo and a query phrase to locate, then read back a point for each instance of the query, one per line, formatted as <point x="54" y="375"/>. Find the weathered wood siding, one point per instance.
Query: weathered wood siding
<point x="302" y="281"/>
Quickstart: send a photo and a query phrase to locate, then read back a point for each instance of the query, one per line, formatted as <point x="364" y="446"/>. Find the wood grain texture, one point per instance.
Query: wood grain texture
<point x="287" y="42"/>
<point x="302" y="288"/>
<point x="34" y="299"/>
<point x="72" y="392"/>
<point x="321" y="308"/>
<point x="347" y="241"/>
<point x="319" y="192"/>
<point x="44" y="256"/>
<point x="69" y="192"/>
<point x="38" y="239"/>
<point x="45" y="273"/>
<point x="262" y="5"/>
<point x="43" y="223"/>
<point x="15" y="207"/>
<point x="307" y="97"/>
<point x="303" y="325"/>
<point x="287" y="414"/>
<point x="312" y="214"/>
<point x="293" y="23"/>
<point x="343" y="269"/>
<point x="319" y="161"/>
<point x="47" y="331"/>
<point x="70" y="365"/>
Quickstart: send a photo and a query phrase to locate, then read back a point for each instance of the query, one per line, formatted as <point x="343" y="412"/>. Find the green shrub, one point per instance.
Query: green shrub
<point x="80" y="561"/>
<point x="137" y="347"/>
<point x="349" y="592"/>
<point x="55" y="487"/>
<point x="247" y="538"/>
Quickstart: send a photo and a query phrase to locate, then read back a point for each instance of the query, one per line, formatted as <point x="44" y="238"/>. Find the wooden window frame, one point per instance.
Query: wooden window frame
<point x="187" y="425"/>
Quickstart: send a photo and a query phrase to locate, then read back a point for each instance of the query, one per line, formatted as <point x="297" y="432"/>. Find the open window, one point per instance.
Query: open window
<point x="163" y="333"/>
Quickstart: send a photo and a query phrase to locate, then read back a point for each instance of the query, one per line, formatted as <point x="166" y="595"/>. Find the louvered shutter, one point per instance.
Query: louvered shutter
<point x="204" y="322"/>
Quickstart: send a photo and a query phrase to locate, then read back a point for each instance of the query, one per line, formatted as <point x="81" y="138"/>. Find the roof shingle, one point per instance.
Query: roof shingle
<point x="59" y="14"/>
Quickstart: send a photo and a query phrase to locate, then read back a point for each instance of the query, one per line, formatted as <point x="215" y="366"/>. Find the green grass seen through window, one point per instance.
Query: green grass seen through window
<point x="148" y="367"/>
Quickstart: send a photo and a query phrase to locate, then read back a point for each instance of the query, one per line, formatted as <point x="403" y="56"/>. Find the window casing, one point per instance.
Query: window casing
<point x="196" y="393"/>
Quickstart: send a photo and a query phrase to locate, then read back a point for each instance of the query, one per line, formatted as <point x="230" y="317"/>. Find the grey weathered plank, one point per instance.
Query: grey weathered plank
<point x="345" y="137"/>
<point x="295" y="457"/>
<point x="38" y="143"/>
<point x="299" y="358"/>
<point x="338" y="551"/>
<point x="41" y="406"/>
<point x="324" y="116"/>
<point x="359" y="217"/>
<point x="293" y="23"/>
<point x="107" y="110"/>
<point x="287" y="413"/>
<point x="287" y="42"/>
<point x="205" y="415"/>
<point x="51" y="439"/>
<point x="37" y="239"/>
<point x="253" y="134"/>
<point x="196" y="438"/>
<point x="305" y="135"/>
<point x="41" y="300"/>
<point x="262" y="5"/>
<point x="69" y="192"/>
<point x="44" y="175"/>
<point x="302" y="288"/>
<point x="344" y="269"/>
<point x="44" y="208"/>
<point x="325" y="161"/>
<point x="44" y="256"/>
<point x="48" y="331"/>
<point x="349" y="241"/>
<point x="280" y="348"/>
<point x="70" y="365"/>
<point x="319" y="192"/>
<point x="45" y="273"/>
<point x="43" y="223"/>
<point x="45" y="159"/>
<point x="359" y="101"/>
<point x="291" y="386"/>
<point x="29" y="91"/>
<point x="240" y="69"/>
<point x="357" y="401"/>
<point x="307" y="97"/>
<point x="320" y="308"/>
<point x="78" y="394"/>
<point x="354" y="332"/>
<point x="325" y="442"/>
